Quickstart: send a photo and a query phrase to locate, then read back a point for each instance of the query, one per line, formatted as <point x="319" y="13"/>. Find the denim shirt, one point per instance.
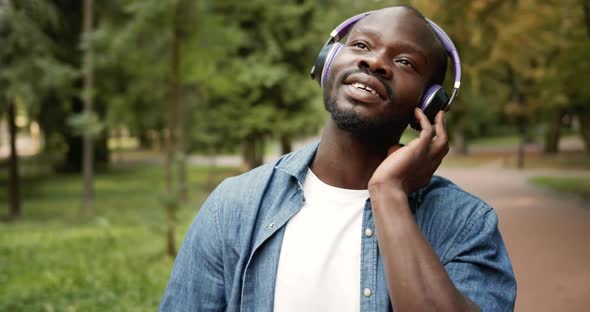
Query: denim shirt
<point x="229" y="257"/>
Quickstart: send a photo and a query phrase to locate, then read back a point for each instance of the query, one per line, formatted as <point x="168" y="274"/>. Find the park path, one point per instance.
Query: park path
<point x="547" y="235"/>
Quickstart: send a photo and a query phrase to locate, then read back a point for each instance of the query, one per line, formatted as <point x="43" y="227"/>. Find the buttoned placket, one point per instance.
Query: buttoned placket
<point x="273" y="226"/>
<point x="368" y="261"/>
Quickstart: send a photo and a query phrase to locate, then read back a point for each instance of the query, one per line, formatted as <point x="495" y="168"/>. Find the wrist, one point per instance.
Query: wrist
<point x="392" y="188"/>
<point x="388" y="196"/>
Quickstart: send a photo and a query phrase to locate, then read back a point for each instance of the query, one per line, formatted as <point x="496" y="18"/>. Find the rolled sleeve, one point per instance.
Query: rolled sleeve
<point x="479" y="264"/>
<point x="197" y="281"/>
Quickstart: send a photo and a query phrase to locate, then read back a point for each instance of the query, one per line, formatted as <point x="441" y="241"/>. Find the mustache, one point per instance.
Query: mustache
<point x="367" y="72"/>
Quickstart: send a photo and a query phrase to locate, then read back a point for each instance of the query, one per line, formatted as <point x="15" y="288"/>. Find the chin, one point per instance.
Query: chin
<point x="375" y="128"/>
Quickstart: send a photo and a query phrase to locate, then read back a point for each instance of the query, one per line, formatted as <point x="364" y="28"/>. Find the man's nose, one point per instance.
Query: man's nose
<point x="376" y="63"/>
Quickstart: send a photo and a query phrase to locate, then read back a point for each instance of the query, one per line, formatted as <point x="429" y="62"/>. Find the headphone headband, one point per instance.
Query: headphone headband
<point x="452" y="51"/>
<point x="342" y="30"/>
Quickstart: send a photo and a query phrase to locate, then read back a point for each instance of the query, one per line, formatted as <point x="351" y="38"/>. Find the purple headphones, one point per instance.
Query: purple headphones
<point x="433" y="100"/>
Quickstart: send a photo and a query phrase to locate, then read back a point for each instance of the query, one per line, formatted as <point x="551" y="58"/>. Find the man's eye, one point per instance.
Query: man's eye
<point x="360" y="45"/>
<point x="405" y="62"/>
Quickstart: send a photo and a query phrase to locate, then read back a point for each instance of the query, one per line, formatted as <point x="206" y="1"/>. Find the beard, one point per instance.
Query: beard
<point x="378" y="127"/>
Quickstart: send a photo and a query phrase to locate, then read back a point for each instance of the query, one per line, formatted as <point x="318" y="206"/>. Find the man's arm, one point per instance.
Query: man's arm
<point x="196" y="282"/>
<point x="416" y="278"/>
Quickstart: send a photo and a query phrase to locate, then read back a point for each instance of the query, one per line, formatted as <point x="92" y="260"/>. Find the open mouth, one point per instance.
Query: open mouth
<point x="362" y="83"/>
<point x="361" y="86"/>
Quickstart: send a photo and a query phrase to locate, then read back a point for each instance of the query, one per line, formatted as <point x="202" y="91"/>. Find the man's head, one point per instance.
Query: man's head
<point x="388" y="61"/>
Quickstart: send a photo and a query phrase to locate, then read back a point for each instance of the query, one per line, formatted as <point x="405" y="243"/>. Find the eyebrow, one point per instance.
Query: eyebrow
<point x="402" y="45"/>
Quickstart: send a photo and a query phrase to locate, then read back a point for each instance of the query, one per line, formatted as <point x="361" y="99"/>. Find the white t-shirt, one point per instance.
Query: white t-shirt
<point x="319" y="265"/>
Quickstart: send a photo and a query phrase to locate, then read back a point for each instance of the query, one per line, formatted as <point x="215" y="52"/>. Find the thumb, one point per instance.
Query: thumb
<point x="394" y="148"/>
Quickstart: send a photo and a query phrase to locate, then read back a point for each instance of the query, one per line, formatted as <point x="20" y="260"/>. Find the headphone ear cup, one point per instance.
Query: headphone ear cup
<point x="316" y="71"/>
<point x="434" y="100"/>
<point x="323" y="61"/>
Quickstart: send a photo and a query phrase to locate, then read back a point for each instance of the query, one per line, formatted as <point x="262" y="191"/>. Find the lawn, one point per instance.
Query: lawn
<point x="55" y="259"/>
<point x="579" y="186"/>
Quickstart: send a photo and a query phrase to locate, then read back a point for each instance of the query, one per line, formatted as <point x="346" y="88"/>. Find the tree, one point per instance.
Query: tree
<point x="272" y="95"/>
<point x="547" y="47"/>
<point x="64" y="123"/>
<point x="29" y="69"/>
<point x="88" y="150"/>
<point x="169" y="36"/>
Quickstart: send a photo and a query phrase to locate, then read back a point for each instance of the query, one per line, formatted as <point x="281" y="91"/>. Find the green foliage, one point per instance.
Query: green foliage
<point x="55" y="260"/>
<point x="29" y="67"/>
<point x="573" y="185"/>
<point x="245" y="64"/>
<point x="85" y="123"/>
<point x="269" y="92"/>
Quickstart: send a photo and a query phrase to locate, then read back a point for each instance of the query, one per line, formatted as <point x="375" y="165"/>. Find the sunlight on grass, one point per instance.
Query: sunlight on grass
<point x="496" y="140"/>
<point x="54" y="259"/>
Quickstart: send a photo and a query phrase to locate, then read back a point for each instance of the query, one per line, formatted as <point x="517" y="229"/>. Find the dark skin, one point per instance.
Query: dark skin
<point x="396" y="45"/>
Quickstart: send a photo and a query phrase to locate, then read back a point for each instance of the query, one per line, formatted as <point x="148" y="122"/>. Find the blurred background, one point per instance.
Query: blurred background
<point x="118" y="117"/>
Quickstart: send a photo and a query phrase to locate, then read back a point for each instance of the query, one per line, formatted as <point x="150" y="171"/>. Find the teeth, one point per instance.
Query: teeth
<point x="362" y="86"/>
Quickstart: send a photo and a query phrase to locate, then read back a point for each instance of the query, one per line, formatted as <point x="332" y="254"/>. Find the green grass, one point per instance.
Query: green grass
<point x="573" y="185"/>
<point x="496" y="140"/>
<point x="55" y="259"/>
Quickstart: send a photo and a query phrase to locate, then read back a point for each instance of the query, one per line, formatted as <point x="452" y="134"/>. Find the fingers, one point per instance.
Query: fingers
<point x="424" y="123"/>
<point x="433" y="138"/>
<point x="440" y="143"/>
<point x="427" y="132"/>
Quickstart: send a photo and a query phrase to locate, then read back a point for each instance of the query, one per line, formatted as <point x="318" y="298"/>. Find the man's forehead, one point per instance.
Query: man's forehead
<point x="399" y="18"/>
<point x="385" y="17"/>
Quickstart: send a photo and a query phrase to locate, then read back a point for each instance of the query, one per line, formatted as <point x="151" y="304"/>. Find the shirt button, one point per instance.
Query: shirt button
<point x="271" y="225"/>
<point x="368" y="232"/>
<point x="367" y="292"/>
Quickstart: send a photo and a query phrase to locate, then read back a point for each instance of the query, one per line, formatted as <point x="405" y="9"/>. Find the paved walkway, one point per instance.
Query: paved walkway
<point x="547" y="236"/>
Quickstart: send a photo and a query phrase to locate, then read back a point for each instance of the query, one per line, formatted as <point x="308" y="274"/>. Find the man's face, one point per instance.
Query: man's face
<point x="381" y="72"/>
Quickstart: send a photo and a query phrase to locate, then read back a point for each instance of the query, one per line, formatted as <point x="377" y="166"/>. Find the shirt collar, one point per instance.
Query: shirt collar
<point x="297" y="163"/>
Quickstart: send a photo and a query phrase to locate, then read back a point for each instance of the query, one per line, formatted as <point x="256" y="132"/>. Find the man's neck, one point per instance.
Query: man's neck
<point x="348" y="160"/>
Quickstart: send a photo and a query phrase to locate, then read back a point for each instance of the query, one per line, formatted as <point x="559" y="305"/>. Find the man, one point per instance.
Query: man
<point x="356" y="222"/>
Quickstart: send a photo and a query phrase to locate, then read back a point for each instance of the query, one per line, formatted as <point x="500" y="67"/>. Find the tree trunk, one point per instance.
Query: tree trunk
<point x="170" y="202"/>
<point x="211" y="167"/>
<point x="286" y="145"/>
<point x="14" y="186"/>
<point x="88" y="148"/>
<point x="253" y="152"/>
<point x="553" y="133"/>
<point x="459" y="140"/>
<point x="181" y="166"/>
<point x="584" y="119"/>
<point x="249" y="153"/>
<point x="171" y="137"/>
<point x="73" y="158"/>
<point x="518" y="101"/>
<point x="260" y="145"/>
<point x="144" y="140"/>
<point x="182" y="182"/>
<point x="521" y="145"/>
